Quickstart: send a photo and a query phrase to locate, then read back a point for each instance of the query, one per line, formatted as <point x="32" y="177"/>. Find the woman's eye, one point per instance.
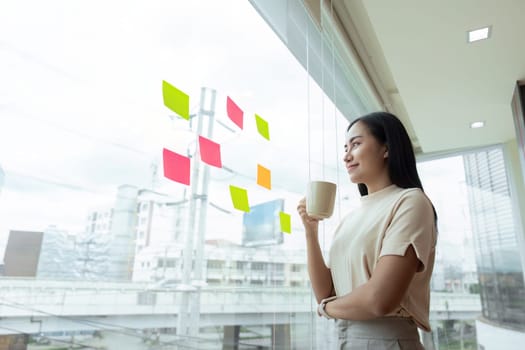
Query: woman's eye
<point x="355" y="144"/>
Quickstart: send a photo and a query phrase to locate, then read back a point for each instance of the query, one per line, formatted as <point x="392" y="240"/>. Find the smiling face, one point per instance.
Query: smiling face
<point x="366" y="158"/>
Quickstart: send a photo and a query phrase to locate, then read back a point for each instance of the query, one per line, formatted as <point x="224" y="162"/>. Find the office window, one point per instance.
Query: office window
<point x="297" y="267"/>
<point x="258" y="266"/>
<point x="477" y="273"/>
<point x="215" y="264"/>
<point x="455" y="301"/>
<point x="497" y="250"/>
<point x="82" y="132"/>
<point x="278" y="267"/>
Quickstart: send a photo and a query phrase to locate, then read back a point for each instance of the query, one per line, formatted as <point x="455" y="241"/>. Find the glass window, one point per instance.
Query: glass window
<point x="215" y="264"/>
<point x="82" y="132"/>
<point x="258" y="266"/>
<point x="455" y="300"/>
<point x="497" y="250"/>
<point x="478" y="266"/>
<point x="171" y="262"/>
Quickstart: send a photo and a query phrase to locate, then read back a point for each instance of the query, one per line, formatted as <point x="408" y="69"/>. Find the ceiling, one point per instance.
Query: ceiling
<point x="417" y="55"/>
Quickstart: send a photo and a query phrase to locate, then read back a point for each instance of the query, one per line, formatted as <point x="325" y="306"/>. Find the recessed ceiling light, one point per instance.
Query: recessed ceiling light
<point x="478" y="34"/>
<point x="476" y="125"/>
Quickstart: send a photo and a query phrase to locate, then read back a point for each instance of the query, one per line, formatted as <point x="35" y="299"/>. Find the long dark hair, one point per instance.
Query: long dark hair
<point x="401" y="161"/>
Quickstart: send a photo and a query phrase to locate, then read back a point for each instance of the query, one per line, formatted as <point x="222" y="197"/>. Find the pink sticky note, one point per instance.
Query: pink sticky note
<point x="176" y="167"/>
<point x="210" y="152"/>
<point x="234" y="112"/>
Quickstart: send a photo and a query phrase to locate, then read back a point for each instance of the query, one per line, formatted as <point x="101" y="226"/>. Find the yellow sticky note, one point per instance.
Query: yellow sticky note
<point x="176" y="100"/>
<point x="264" y="177"/>
<point x="262" y="127"/>
<point x="286" y="222"/>
<point x="239" y="198"/>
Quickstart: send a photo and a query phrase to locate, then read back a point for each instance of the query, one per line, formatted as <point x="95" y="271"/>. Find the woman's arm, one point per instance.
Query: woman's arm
<point x="320" y="275"/>
<point x="382" y="294"/>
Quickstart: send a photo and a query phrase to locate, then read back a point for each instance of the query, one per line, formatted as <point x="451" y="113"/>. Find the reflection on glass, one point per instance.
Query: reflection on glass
<point x="100" y="249"/>
<point x="498" y="256"/>
<point x="455" y="301"/>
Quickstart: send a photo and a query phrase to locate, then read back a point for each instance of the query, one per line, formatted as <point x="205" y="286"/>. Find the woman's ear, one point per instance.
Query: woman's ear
<point x="385" y="155"/>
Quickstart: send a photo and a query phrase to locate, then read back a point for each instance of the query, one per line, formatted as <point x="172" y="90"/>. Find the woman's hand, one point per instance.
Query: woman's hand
<point x="311" y="225"/>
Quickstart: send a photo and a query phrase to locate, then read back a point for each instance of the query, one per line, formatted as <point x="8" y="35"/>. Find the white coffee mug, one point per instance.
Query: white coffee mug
<point x="320" y="199"/>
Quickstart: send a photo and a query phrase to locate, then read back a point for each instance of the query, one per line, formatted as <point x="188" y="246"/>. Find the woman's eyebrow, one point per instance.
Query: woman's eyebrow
<point x="353" y="138"/>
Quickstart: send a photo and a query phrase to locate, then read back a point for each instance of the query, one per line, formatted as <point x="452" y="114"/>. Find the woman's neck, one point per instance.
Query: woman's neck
<point x="378" y="185"/>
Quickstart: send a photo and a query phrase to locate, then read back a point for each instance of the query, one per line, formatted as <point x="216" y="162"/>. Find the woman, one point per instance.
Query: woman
<point x="377" y="282"/>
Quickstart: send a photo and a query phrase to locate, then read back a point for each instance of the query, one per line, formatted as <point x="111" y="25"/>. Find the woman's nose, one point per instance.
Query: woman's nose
<point x="347" y="156"/>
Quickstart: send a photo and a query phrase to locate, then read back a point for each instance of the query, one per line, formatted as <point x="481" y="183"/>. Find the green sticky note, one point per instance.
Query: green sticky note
<point x="286" y="222"/>
<point x="239" y="198"/>
<point x="262" y="127"/>
<point x="176" y="100"/>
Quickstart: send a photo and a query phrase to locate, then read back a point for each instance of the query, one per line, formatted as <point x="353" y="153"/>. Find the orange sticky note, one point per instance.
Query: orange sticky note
<point x="264" y="177"/>
<point x="176" y="167"/>
<point x="210" y="152"/>
<point x="286" y="222"/>
<point x="234" y="112"/>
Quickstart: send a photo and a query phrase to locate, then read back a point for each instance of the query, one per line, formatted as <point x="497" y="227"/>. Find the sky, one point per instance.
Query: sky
<point x="81" y="111"/>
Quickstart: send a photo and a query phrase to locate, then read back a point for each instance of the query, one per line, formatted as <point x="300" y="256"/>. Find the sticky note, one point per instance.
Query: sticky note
<point x="176" y="100"/>
<point x="286" y="222"/>
<point x="262" y="127"/>
<point x="234" y="112"/>
<point x="210" y="152"/>
<point x="264" y="177"/>
<point x="239" y="198"/>
<point x="176" y="167"/>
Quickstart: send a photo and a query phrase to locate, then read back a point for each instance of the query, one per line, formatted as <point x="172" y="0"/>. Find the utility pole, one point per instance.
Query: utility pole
<point x="189" y="310"/>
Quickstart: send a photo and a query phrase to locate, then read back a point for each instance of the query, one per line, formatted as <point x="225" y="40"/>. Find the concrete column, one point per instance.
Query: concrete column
<point x="230" y="340"/>
<point x="14" y="342"/>
<point x="281" y="336"/>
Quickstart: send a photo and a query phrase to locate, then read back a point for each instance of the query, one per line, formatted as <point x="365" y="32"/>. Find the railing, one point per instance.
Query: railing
<point x="27" y="297"/>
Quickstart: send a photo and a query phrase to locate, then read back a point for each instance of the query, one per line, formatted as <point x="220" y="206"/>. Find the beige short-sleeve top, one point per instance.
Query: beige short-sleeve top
<point x="387" y="223"/>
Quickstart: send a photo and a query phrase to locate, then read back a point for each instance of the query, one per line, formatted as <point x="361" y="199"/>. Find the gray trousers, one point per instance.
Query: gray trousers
<point x="386" y="333"/>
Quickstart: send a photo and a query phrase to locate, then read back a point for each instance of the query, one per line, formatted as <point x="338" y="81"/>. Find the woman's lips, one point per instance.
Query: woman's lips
<point x="351" y="167"/>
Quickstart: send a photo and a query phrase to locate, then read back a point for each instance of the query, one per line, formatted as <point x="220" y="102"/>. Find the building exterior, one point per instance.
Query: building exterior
<point x="160" y="219"/>
<point x="121" y="250"/>
<point x="22" y="253"/>
<point x="99" y="222"/>
<point x="138" y="220"/>
<point x="58" y="256"/>
<point x="107" y="249"/>
<point x="226" y="264"/>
